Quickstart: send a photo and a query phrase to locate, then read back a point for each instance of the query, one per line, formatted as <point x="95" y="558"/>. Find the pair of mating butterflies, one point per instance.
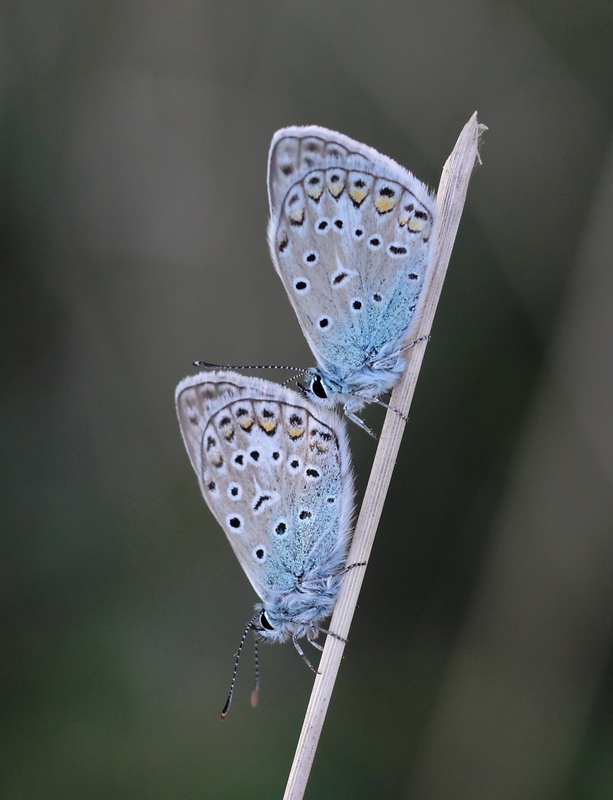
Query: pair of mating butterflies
<point x="349" y="236"/>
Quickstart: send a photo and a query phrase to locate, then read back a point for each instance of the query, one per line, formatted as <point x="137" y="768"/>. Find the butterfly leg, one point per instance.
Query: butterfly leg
<point x="303" y="656"/>
<point x="425" y="338"/>
<point x="352" y="566"/>
<point x="328" y="633"/>
<point x="360" y="422"/>
<point x="380" y="364"/>
<point x="344" y="570"/>
<point x="393" y="408"/>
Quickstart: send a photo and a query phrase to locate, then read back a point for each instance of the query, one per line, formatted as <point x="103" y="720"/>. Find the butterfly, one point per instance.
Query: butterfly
<point x="349" y="234"/>
<point x="275" y="471"/>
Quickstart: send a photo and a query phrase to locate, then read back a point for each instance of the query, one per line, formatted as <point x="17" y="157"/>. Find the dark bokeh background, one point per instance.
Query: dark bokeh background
<point x="134" y="140"/>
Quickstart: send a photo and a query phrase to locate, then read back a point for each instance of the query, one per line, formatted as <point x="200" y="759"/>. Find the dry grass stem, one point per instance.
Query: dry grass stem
<point x="450" y="199"/>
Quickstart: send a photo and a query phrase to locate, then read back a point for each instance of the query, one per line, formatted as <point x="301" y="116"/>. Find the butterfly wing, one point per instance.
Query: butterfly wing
<point x="274" y="469"/>
<point x="194" y="396"/>
<point x="349" y="236"/>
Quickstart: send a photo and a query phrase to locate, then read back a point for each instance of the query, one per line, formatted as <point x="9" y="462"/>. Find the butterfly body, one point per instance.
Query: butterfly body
<point x="275" y="471"/>
<point x="353" y="388"/>
<point x="349" y="235"/>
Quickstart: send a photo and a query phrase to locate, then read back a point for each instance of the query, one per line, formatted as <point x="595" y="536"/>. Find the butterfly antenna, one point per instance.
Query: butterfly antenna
<point x="226" y="708"/>
<point x="256" y="683"/>
<point x="297" y="370"/>
<point x="301" y="388"/>
<point x="206" y="365"/>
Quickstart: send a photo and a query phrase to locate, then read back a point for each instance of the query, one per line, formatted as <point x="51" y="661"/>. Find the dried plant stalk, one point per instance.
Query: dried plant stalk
<point x="450" y="200"/>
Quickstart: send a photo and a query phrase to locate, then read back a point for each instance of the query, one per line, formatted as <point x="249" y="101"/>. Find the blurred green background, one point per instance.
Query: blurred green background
<point x="134" y="141"/>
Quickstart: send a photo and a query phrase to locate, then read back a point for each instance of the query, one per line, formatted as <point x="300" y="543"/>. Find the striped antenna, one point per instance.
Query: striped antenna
<point x="228" y="703"/>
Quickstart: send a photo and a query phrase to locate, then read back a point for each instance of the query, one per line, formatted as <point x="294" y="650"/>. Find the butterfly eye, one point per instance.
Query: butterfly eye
<point x="264" y="622"/>
<point x="318" y="389"/>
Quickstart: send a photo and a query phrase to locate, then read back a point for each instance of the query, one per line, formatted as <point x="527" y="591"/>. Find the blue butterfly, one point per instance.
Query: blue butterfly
<point x="349" y="235"/>
<point x="275" y="471"/>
